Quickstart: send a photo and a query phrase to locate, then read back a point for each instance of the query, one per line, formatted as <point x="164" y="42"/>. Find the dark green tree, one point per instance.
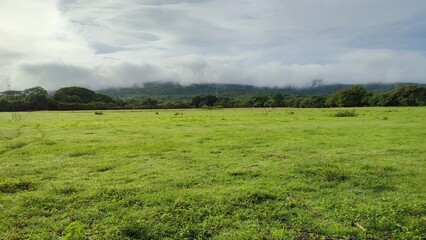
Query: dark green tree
<point x="75" y="95"/>
<point x="36" y="98"/>
<point x="196" y="101"/>
<point x="209" y="100"/>
<point x="378" y="99"/>
<point x="224" y="102"/>
<point x="277" y="100"/>
<point x="149" y="103"/>
<point x="175" y="105"/>
<point x="354" y="96"/>
<point x="291" y="101"/>
<point x="104" y="98"/>
<point x="312" y="102"/>
<point x="4" y="104"/>
<point x="260" y="100"/>
<point x="407" y="96"/>
<point x="200" y="101"/>
<point x="12" y="95"/>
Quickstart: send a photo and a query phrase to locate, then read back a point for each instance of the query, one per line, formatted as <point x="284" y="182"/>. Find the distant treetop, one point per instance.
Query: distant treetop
<point x="75" y="95"/>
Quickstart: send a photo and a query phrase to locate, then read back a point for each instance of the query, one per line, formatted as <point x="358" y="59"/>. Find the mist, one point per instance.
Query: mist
<point x="262" y="43"/>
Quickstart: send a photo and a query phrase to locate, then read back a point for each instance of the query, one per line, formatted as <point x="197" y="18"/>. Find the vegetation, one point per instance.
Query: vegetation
<point x="345" y="113"/>
<point x="168" y="91"/>
<point x="75" y="95"/>
<point x="77" y="98"/>
<point x="276" y="173"/>
<point x="69" y="98"/>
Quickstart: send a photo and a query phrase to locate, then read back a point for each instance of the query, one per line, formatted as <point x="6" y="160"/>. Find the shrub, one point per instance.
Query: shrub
<point x="346" y="113"/>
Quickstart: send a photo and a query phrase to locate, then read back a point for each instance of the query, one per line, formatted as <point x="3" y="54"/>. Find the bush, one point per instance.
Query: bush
<point x="345" y="113"/>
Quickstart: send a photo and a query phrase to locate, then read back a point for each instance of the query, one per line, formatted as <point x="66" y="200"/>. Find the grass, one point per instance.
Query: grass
<point x="214" y="174"/>
<point x="345" y="113"/>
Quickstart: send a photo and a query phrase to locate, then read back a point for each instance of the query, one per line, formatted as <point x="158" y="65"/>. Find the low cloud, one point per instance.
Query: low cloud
<point x="54" y="75"/>
<point x="355" y="67"/>
<point x="101" y="44"/>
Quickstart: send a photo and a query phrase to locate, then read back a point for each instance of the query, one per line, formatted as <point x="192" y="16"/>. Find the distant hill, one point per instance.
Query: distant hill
<point x="172" y="91"/>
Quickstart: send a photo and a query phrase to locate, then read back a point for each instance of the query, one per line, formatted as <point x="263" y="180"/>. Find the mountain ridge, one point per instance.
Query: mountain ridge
<point x="175" y="91"/>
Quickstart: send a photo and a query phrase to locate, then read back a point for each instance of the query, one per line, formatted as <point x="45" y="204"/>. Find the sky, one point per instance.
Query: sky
<point x="274" y="43"/>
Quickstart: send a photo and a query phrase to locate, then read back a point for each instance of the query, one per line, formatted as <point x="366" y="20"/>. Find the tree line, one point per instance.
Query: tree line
<point x="78" y="98"/>
<point x="355" y="96"/>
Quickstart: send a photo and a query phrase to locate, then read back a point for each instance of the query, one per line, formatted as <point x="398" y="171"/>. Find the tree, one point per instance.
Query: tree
<point x="12" y="95"/>
<point x="36" y="98"/>
<point x="4" y="104"/>
<point x="148" y="103"/>
<point x="196" y="101"/>
<point x="175" y="105"/>
<point x="200" y="101"/>
<point x="104" y="98"/>
<point x="407" y="96"/>
<point x="75" y="95"/>
<point x="260" y="100"/>
<point x="291" y="101"/>
<point x="223" y="102"/>
<point x="209" y="100"/>
<point x="312" y="102"/>
<point x="277" y="100"/>
<point x="350" y="97"/>
<point x="331" y="100"/>
<point x="378" y="99"/>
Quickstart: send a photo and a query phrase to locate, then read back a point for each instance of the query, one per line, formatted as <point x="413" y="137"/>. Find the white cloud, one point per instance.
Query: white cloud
<point x="115" y="43"/>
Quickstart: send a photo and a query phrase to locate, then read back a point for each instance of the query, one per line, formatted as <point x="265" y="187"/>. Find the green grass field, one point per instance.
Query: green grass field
<point x="219" y="174"/>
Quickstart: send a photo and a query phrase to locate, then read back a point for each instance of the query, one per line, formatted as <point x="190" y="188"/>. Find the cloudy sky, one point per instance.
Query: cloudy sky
<point x="121" y="43"/>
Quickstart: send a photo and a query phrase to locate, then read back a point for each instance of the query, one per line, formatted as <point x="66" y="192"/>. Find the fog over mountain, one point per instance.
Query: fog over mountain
<point x="124" y="43"/>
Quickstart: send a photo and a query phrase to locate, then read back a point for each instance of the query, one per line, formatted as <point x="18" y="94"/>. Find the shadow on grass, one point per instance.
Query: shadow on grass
<point x="14" y="187"/>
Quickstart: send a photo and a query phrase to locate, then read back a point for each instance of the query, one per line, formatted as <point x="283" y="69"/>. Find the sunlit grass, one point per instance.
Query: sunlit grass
<point x="220" y="174"/>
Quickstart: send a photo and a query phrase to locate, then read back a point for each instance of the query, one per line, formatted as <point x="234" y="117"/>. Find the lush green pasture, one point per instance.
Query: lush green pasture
<point x="220" y="174"/>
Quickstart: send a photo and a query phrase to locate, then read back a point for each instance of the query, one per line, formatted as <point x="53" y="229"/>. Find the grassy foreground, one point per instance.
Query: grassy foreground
<point x="220" y="174"/>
